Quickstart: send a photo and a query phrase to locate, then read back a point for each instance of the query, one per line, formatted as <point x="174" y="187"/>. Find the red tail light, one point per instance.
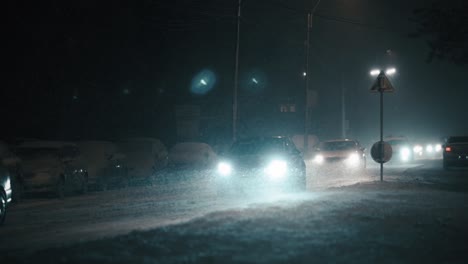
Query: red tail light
<point x="448" y="149"/>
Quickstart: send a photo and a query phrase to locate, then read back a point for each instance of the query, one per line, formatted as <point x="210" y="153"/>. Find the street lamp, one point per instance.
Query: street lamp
<point x="389" y="72"/>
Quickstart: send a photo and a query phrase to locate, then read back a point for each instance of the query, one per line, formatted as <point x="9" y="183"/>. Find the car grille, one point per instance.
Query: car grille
<point x="334" y="159"/>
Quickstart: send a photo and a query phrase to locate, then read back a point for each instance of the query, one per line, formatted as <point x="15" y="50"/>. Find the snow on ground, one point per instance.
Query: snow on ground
<point x="407" y="220"/>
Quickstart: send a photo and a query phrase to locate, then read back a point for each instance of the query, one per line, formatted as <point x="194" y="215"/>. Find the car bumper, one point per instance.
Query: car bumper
<point x="258" y="181"/>
<point x="8" y="193"/>
<point x="456" y="160"/>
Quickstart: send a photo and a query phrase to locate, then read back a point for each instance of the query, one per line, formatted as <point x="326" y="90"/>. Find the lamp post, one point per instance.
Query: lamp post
<point x="306" y="74"/>
<point x="236" y="77"/>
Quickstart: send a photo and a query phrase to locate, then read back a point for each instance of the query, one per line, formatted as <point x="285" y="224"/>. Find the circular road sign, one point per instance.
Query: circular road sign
<point x="376" y="152"/>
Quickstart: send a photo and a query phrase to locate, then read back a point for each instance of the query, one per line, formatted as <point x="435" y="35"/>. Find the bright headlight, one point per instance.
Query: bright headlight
<point x="438" y="148"/>
<point x="417" y="149"/>
<point x="353" y="159"/>
<point x="405" y="154"/>
<point x="277" y="169"/>
<point x="318" y="159"/>
<point x="429" y="148"/>
<point x="224" y="168"/>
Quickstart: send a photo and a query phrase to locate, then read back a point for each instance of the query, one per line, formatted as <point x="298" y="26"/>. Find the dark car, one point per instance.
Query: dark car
<point x="262" y="163"/>
<point x="52" y="166"/>
<point x="5" y="192"/>
<point x="455" y="152"/>
<point x="340" y="153"/>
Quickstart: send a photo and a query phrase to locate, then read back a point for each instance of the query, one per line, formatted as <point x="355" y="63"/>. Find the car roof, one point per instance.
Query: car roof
<point x="339" y="140"/>
<point x="46" y="144"/>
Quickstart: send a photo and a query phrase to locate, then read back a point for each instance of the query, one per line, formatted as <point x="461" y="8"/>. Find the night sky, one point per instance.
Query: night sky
<point x="112" y="69"/>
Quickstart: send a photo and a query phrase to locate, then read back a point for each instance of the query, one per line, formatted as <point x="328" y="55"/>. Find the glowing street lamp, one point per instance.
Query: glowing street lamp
<point x="389" y="72"/>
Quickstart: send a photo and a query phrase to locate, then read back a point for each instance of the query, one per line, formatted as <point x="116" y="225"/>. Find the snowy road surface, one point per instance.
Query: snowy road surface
<point x="419" y="214"/>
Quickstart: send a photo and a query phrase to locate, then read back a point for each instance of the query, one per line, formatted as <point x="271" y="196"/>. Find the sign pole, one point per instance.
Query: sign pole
<point x="381" y="151"/>
<point x="381" y="135"/>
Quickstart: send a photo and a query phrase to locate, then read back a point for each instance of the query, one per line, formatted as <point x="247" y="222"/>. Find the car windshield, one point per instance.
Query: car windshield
<point x="255" y="147"/>
<point x="338" y="145"/>
<point x="33" y="153"/>
<point x="397" y="142"/>
<point x="458" y="140"/>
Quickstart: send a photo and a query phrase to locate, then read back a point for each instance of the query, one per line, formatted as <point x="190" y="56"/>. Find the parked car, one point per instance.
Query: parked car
<point x="455" y="152"/>
<point x="13" y="164"/>
<point x="5" y="192"/>
<point x="343" y="154"/>
<point x="105" y="164"/>
<point x="143" y="156"/>
<point x="52" y="166"/>
<point x="195" y="155"/>
<point x="261" y="163"/>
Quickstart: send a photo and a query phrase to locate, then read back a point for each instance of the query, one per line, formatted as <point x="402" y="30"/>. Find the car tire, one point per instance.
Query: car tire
<point x="3" y="207"/>
<point x="17" y="189"/>
<point x="301" y="183"/>
<point x="84" y="183"/>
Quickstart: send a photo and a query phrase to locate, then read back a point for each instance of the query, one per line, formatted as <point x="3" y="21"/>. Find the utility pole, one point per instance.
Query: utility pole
<point x="343" y="110"/>
<point x="310" y="17"/>
<point x="236" y="76"/>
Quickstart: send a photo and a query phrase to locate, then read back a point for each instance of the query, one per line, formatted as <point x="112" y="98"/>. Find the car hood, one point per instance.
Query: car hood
<point x="251" y="161"/>
<point x="337" y="153"/>
<point x="40" y="164"/>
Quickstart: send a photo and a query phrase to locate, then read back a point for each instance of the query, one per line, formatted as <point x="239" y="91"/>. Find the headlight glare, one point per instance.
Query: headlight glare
<point x="224" y="168"/>
<point x="405" y="154"/>
<point x="277" y="169"/>
<point x="319" y="159"/>
<point x="353" y="159"/>
<point x="429" y="148"/>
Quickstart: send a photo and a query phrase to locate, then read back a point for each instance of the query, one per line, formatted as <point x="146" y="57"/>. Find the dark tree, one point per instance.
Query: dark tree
<point x="444" y="24"/>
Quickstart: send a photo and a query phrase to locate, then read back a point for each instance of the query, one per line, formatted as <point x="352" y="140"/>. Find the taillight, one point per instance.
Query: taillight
<point x="448" y="149"/>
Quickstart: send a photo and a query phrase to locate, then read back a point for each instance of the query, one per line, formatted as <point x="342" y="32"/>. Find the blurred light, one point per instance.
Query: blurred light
<point x="254" y="81"/>
<point x="375" y="72"/>
<point x="390" y="71"/>
<point x="224" y="168"/>
<point x="304" y="74"/>
<point x="448" y="149"/>
<point x="203" y="82"/>
<point x="417" y="149"/>
<point x="7" y="184"/>
<point x="126" y="91"/>
<point x="277" y="169"/>
<point x="405" y="154"/>
<point x="429" y="149"/>
<point x="353" y="160"/>
<point x="438" y="147"/>
<point x="319" y="159"/>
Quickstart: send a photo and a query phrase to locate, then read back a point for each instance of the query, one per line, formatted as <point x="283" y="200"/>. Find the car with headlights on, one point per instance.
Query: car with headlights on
<point x="455" y="152"/>
<point x="5" y="192"/>
<point x="261" y="163"/>
<point x="339" y="154"/>
<point x="402" y="150"/>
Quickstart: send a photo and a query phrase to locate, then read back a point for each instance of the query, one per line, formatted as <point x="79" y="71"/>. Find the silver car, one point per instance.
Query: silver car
<point x="340" y="154"/>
